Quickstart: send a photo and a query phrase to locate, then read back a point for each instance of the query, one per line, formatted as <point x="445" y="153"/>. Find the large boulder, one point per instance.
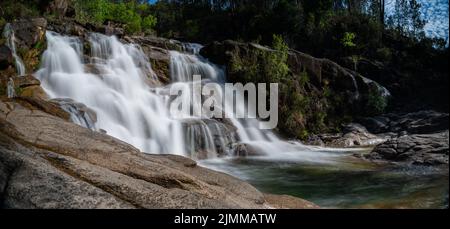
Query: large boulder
<point x="47" y="162"/>
<point x="418" y="149"/>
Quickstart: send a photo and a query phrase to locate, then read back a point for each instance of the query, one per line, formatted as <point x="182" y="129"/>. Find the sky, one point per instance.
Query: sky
<point x="436" y="13"/>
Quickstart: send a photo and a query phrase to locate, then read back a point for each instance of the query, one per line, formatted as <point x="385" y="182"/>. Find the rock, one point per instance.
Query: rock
<point x="26" y="81"/>
<point x="424" y="122"/>
<point x="314" y="140"/>
<point x="61" y="8"/>
<point x="30" y="40"/>
<point x="159" y="42"/>
<point x="47" y="162"/>
<point x="29" y="32"/>
<point x="112" y="29"/>
<point x="160" y="60"/>
<point x="27" y="86"/>
<point x="36" y="104"/>
<point x="68" y="27"/>
<point x="245" y="150"/>
<point x="419" y="149"/>
<point x="289" y="202"/>
<point x="80" y="114"/>
<point x="353" y="135"/>
<point x="34" y="92"/>
<point x="6" y="58"/>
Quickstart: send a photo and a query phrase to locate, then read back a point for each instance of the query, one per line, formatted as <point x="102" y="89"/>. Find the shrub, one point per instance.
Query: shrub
<point x="376" y="103"/>
<point x="127" y="13"/>
<point x="348" y="40"/>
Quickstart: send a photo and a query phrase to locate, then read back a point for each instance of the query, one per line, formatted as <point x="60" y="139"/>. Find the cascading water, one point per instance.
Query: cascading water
<point x="120" y="94"/>
<point x="184" y="66"/>
<point x="8" y="33"/>
<point x="115" y="84"/>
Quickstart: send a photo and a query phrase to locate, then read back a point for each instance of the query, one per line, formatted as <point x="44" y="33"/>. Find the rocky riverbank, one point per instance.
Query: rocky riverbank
<point x="48" y="162"/>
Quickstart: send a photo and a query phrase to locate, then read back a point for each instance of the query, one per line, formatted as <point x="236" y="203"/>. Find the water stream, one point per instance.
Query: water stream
<point x="111" y="90"/>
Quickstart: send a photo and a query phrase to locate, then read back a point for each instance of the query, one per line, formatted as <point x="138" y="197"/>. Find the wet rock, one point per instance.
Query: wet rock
<point x="314" y="140"/>
<point x="160" y="60"/>
<point x="80" y="114"/>
<point x="420" y="149"/>
<point x="245" y="150"/>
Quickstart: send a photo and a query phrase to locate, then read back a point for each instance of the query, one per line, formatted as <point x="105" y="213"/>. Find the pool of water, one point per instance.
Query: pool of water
<point x="344" y="181"/>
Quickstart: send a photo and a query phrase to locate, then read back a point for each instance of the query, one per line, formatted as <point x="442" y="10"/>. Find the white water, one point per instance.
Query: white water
<point x="125" y="105"/>
<point x="129" y="108"/>
<point x="10" y="89"/>
<point x="8" y="33"/>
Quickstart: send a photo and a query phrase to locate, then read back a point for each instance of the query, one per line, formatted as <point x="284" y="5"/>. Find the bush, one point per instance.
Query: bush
<point x="376" y="103"/>
<point x="348" y="40"/>
<point x="127" y="13"/>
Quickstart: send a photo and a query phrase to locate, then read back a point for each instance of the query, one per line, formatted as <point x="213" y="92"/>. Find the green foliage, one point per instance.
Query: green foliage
<point x="276" y="66"/>
<point x="148" y="23"/>
<point x="133" y="15"/>
<point x="18" y="90"/>
<point x="12" y="9"/>
<point x="261" y="65"/>
<point x="303" y="79"/>
<point x="91" y="11"/>
<point x="376" y="103"/>
<point x="348" y="40"/>
<point x="2" y="23"/>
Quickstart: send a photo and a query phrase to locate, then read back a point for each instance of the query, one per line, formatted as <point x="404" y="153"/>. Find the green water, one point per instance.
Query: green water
<point x="347" y="182"/>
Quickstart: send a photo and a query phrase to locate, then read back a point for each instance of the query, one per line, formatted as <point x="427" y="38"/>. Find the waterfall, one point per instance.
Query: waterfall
<point x="8" y="33"/>
<point x="125" y="104"/>
<point x="183" y="66"/>
<point x="110" y="90"/>
<point x="10" y="88"/>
